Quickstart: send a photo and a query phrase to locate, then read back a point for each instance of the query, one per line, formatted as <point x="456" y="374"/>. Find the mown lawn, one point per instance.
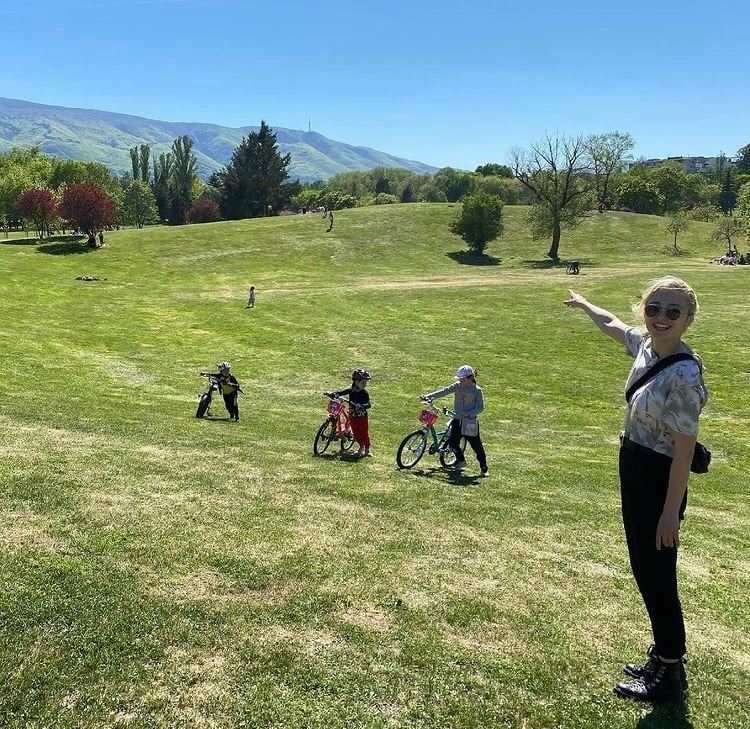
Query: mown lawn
<point x="160" y="571"/>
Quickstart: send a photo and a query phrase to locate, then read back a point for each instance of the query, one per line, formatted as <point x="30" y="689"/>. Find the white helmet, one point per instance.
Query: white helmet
<point x="465" y="371"/>
<point x="223" y="366"/>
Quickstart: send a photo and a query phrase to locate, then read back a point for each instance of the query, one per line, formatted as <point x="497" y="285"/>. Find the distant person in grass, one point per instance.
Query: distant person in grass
<point x="359" y="404"/>
<point x="251" y="298"/>
<point x="230" y="389"/>
<point x="657" y="444"/>
<point x="468" y="402"/>
<point x="329" y="216"/>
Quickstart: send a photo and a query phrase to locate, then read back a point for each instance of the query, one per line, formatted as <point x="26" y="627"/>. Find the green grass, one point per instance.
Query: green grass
<point x="159" y="571"/>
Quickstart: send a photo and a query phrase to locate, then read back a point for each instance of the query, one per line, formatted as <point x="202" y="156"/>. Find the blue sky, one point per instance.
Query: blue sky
<point x="444" y="83"/>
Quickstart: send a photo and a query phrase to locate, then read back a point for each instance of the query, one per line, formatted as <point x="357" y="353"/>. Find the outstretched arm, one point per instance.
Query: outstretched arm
<point x="606" y="321"/>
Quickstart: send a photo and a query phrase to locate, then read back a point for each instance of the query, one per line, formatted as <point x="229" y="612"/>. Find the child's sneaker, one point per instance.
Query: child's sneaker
<point x="368" y="453"/>
<point x="485" y="472"/>
<point x="361" y="452"/>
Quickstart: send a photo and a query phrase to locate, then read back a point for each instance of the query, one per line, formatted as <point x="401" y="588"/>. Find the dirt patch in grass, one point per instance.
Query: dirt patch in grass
<point x="22" y="530"/>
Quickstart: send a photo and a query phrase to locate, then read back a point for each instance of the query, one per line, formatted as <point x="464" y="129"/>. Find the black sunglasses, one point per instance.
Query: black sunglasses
<point x="653" y="310"/>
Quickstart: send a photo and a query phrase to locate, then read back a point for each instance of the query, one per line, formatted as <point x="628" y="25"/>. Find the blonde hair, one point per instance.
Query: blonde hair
<point x="667" y="282"/>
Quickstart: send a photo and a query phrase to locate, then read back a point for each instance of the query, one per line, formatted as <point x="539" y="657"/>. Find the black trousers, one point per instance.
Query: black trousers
<point x="644" y="480"/>
<point x="454" y="441"/>
<point x="230" y="400"/>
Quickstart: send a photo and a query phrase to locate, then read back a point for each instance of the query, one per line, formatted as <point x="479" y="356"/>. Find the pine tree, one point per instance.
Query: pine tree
<point x="728" y="195"/>
<point x="255" y="177"/>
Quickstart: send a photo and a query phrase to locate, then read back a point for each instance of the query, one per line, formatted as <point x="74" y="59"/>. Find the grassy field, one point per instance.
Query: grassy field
<point x="161" y="571"/>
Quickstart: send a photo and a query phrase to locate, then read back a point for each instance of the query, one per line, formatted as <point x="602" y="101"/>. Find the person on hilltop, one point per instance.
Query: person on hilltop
<point x="468" y="402"/>
<point x="665" y="394"/>
<point x="329" y="217"/>
<point x="230" y="389"/>
<point x="359" y="404"/>
<point x="251" y="298"/>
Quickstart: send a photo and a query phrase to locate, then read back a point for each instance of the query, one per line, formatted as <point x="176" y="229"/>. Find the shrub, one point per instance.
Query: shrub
<point x="705" y="212"/>
<point x="385" y="198"/>
<point x="204" y="211"/>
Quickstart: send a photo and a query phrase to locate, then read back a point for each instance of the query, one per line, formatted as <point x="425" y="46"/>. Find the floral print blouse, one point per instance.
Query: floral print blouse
<point x="673" y="399"/>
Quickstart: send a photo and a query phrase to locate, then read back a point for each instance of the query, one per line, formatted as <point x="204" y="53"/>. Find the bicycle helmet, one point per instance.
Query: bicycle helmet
<point x="360" y="374"/>
<point x="224" y="366"/>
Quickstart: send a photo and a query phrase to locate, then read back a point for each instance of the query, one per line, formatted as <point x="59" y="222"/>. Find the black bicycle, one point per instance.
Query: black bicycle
<point x="204" y="402"/>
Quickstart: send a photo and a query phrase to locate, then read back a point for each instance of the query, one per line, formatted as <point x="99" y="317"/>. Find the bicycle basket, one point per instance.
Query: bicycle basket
<point x="334" y="407"/>
<point x="428" y="417"/>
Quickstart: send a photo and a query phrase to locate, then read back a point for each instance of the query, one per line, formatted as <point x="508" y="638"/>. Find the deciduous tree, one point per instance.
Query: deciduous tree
<point x="556" y="170"/>
<point x="182" y="180"/>
<point x="608" y="153"/>
<point x="676" y="224"/>
<point x="479" y="221"/>
<point x="37" y="204"/>
<point x="727" y="231"/>
<point x="138" y="205"/>
<point x="87" y="208"/>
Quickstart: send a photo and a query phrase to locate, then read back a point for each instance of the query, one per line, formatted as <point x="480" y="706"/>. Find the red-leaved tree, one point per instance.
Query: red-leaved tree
<point x="37" y="204"/>
<point x="204" y="211"/>
<point x="87" y="208"/>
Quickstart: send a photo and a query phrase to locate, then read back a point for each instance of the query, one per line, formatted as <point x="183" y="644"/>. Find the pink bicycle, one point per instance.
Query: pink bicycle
<point x="335" y="427"/>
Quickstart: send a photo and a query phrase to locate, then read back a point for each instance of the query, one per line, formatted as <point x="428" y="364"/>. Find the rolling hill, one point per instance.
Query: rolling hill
<point x="106" y="137"/>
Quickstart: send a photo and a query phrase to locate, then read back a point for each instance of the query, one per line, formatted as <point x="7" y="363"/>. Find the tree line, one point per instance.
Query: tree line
<point x="561" y="178"/>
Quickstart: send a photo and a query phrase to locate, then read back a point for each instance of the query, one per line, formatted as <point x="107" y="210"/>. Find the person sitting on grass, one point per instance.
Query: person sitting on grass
<point x="230" y="389"/>
<point x="468" y="402"/>
<point x="359" y="404"/>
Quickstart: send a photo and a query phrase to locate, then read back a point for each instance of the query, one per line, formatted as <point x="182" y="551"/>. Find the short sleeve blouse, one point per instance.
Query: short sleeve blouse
<point x="673" y="399"/>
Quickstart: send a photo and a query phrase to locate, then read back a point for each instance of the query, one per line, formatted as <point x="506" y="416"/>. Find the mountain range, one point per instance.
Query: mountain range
<point x="106" y="137"/>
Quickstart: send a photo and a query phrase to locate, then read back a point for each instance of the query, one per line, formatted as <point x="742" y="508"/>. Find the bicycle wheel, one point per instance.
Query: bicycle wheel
<point x="411" y="449"/>
<point x="326" y="433"/>
<point x="448" y="456"/>
<point x="347" y="442"/>
<point x="203" y="404"/>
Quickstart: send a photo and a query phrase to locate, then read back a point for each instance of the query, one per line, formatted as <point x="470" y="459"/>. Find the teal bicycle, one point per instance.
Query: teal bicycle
<point x="415" y="444"/>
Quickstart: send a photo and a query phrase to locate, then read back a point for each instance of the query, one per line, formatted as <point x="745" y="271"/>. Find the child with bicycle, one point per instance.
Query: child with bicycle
<point x="359" y="404"/>
<point x="230" y="388"/>
<point x="468" y="402"/>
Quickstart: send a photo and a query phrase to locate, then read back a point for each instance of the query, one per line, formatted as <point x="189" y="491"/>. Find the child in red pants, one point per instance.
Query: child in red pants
<point x="359" y="404"/>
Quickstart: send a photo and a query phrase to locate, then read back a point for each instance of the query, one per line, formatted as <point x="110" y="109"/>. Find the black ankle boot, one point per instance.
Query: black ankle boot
<point x="660" y="682"/>
<point x="640" y="670"/>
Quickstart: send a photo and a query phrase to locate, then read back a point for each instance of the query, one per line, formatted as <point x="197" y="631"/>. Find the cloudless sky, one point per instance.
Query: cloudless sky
<point x="447" y="83"/>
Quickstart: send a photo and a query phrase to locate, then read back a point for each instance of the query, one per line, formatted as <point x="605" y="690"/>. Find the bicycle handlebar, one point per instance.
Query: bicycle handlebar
<point x="445" y="411"/>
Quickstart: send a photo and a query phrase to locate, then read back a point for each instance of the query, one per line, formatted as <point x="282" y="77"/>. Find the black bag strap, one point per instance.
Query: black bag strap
<point x="662" y="364"/>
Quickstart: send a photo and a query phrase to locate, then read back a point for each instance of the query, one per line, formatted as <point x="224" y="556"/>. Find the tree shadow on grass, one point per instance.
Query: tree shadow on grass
<point x="549" y="264"/>
<point x="468" y="258"/>
<point x="679" y="253"/>
<point x="673" y="715"/>
<point x="20" y="241"/>
<point x="64" y="249"/>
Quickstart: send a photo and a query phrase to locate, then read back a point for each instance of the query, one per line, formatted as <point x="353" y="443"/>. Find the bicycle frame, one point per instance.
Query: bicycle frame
<point x="439" y="437"/>
<point x="340" y="417"/>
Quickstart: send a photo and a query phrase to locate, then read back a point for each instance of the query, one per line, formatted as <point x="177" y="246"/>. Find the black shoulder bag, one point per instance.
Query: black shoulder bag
<point x="701" y="454"/>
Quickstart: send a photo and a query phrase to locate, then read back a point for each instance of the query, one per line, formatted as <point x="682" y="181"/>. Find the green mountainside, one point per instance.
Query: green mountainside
<point x="101" y="136"/>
